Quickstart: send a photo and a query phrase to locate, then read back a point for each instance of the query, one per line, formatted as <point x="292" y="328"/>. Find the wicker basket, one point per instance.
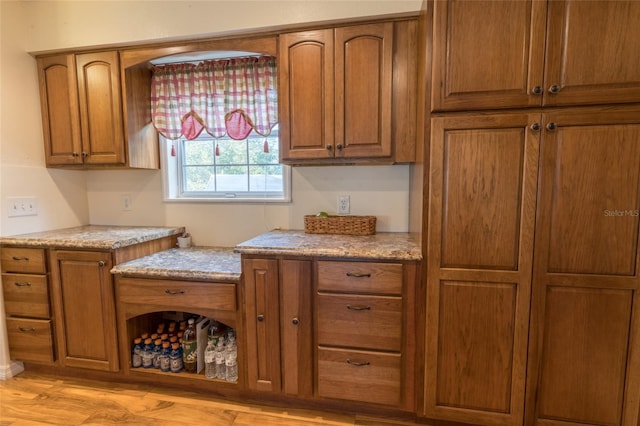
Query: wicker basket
<point x="346" y="225"/>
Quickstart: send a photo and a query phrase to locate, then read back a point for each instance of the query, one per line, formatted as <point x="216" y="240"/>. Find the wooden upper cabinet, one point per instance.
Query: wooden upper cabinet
<point x="59" y="106"/>
<point x="82" y="113"/>
<point x="348" y="93"/>
<point x="100" y="108"/>
<point x="490" y="55"/>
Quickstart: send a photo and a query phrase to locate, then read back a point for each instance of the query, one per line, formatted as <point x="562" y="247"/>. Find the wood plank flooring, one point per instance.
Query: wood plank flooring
<point x="38" y="399"/>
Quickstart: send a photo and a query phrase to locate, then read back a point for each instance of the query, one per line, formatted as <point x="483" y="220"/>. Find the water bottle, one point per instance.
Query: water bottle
<point x="231" y="363"/>
<point x="136" y="353"/>
<point x="190" y="348"/>
<point x="147" y="353"/>
<point x="221" y="371"/>
<point x="157" y="351"/>
<point x="165" y="359"/>
<point x="210" y="360"/>
<point x="175" y="358"/>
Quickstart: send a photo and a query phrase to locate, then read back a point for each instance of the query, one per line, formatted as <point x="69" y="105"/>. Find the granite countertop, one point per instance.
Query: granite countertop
<point x="196" y="263"/>
<point x="384" y="245"/>
<point x="99" y="237"/>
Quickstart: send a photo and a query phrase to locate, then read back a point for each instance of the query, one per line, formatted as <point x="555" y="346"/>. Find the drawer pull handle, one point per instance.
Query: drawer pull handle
<point x="27" y="330"/>
<point x="25" y="258"/>
<point x="174" y="291"/>
<point x="359" y="308"/>
<point x="358" y="275"/>
<point x="358" y="363"/>
<point x="25" y="284"/>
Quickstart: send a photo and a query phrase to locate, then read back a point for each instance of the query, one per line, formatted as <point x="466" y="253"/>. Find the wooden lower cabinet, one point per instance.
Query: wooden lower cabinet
<point x="584" y="358"/>
<point x="84" y="304"/>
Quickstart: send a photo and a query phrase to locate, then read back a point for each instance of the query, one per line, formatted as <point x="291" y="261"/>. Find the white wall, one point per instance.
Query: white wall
<point x="70" y="198"/>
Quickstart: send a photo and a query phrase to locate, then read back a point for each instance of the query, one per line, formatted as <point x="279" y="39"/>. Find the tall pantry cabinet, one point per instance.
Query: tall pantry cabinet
<point x="532" y="224"/>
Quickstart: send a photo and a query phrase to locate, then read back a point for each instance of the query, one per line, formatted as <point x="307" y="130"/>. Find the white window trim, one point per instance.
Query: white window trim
<point x="170" y="185"/>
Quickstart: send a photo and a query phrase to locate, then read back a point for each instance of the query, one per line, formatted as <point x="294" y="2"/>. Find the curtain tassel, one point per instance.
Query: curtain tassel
<point x="265" y="147"/>
<point x="217" y="150"/>
<point x="173" y="149"/>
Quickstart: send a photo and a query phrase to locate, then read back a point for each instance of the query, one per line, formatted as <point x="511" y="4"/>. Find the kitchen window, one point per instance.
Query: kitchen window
<point x="224" y="169"/>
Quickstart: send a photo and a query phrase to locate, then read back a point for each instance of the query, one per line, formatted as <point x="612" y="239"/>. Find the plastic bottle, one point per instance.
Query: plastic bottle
<point x="157" y="351"/>
<point x="175" y="358"/>
<point x="136" y="353"/>
<point x="147" y="353"/>
<point x="210" y="360"/>
<point x="190" y="348"/>
<point x="231" y="362"/>
<point x="165" y="359"/>
<point x="221" y="370"/>
<point x="213" y="333"/>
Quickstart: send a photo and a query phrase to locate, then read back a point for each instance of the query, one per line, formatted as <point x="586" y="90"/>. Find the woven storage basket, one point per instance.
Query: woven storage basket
<point x="346" y="225"/>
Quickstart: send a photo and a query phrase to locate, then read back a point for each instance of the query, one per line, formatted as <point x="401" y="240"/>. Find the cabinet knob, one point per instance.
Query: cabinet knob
<point x="535" y="127"/>
<point x="552" y="126"/>
<point x="84" y="154"/>
<point x="101" y="263"/>
<point x="260" y="317"/>
<point x="537" y="90"/>
<point x="74" y="154"/>
<point x="295" y="321"/>
<point x="554" y="89"/>
<point x="339" y="147"/>
<point x="329" y="147"/>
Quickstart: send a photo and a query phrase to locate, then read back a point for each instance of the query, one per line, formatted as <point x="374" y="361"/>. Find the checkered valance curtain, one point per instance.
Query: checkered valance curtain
<point x="223" y="97"/>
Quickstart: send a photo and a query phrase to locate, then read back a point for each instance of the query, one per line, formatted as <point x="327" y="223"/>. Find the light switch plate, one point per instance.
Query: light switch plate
<point x="22" y="206"/>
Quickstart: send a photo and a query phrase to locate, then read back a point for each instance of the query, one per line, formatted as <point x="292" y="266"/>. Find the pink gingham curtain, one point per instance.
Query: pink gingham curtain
<point x="223" y="97"/>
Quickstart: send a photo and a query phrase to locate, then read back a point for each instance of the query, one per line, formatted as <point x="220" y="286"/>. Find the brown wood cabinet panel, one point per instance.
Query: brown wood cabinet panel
<point x="368" y="322"/>
<point x="30" y="340"/>
<point x="262" y="313"/>
<point x="85" y="309"/>
<point x="23" y="260"/>
<point x="26" y="295"/>
<point x="360" y="277"/>
<point x="482" y="191"/>
<point x="592" y="52"/>
<point x="363" y="81"/>
<point x="476" y="345"/>
<point x="59" y="106"/>
<point x="306" y="94"/>
<point x="297" y="327"/>
<point x="100" y="107"/>
<point x="584" y="355"/>
<point x="180" y="295"/>
<point x="359" y="375"/>
<point x="583" y="364"/>
<point x="487" y="54"/>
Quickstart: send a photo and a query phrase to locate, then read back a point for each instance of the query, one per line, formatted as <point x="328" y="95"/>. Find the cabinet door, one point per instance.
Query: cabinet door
<point x="297" y="331"/>
<point x="262" y="324"/>
<point x="479" y="261"/>
<point x="363" y="79"/>
<point x="59" y="105"/>
<point x="583" y="362"/>
<point x="487" y="54"/>
<point x="100" y="108"/>
<point x="593" y="52"/>
<point x="306" y="95"/>
<point x="83" y="296"/>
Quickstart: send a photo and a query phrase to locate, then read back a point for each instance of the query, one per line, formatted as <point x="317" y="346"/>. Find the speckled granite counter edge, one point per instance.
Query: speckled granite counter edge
<point x="315" y="252"/>
<point x="176" y="274"/>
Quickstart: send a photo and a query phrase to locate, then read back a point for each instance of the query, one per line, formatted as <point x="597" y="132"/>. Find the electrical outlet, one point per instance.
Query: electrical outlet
<point x="127" y="204"/>
<point x="22" y="206"/>
<point x="344" y="204"/>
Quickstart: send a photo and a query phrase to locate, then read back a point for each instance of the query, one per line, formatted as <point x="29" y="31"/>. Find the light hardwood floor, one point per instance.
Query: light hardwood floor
<point x="37" y="399"/>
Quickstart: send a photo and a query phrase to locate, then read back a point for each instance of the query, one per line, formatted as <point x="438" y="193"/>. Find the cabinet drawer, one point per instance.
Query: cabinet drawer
<point x="30" y="340"/>
<point x="360" y="277"/>
<point x="28" y="260"/>
<point x="180" y="295"/>
<point x="372" y="322"/>
<point x="26" y="295"/>
<point x="359" y="375"/>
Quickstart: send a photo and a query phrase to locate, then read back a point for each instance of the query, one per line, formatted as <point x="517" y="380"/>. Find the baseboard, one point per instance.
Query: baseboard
<point x="12" y="369"/>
